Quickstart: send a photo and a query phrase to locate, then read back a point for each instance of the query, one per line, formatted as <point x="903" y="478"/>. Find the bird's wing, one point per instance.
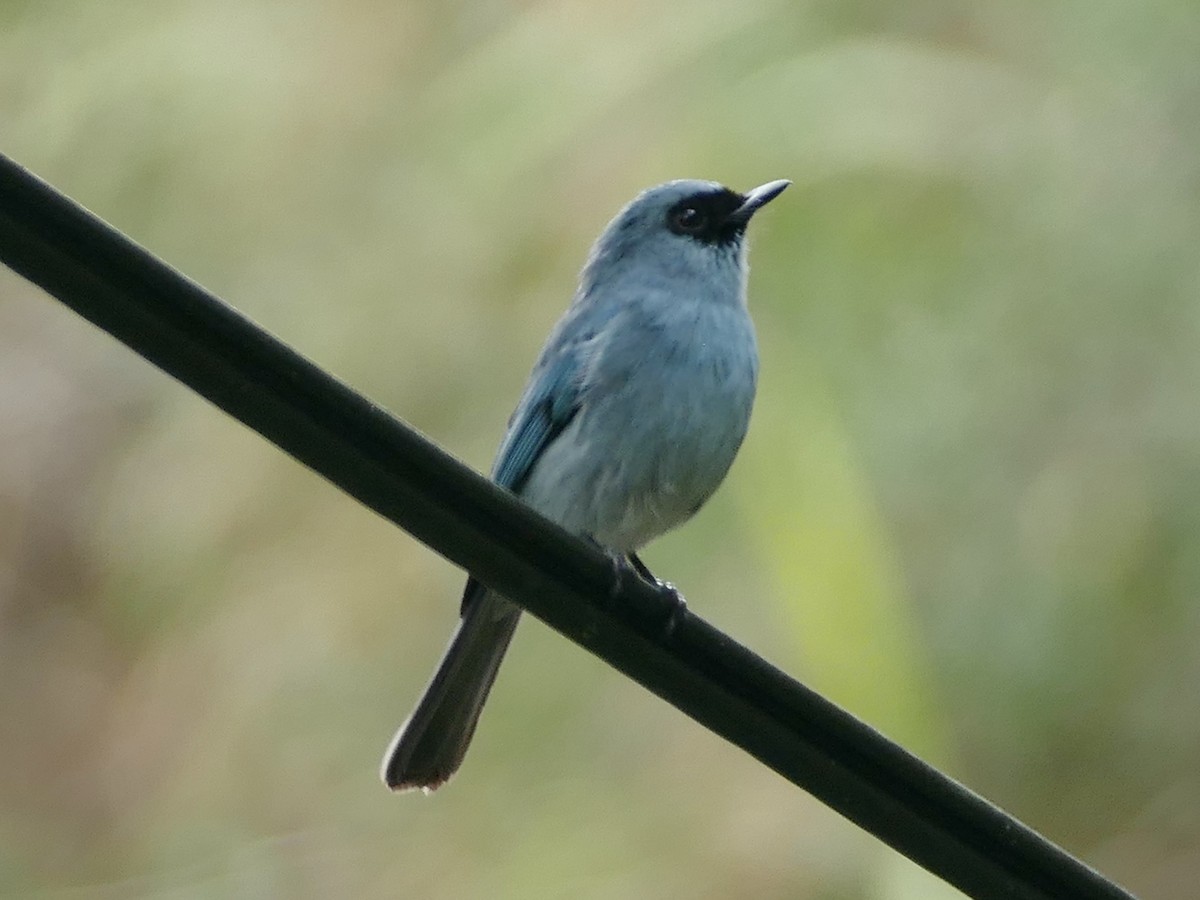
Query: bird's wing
<point x="556" y="391"/>
<point x="550" y="403"/>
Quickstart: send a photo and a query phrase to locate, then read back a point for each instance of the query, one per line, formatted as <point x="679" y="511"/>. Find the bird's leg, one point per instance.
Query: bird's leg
<point x="628" y="565"/>
<point x="673" y="603"/>
<point x="640" y="568"/>
<point x="620" y="569"/>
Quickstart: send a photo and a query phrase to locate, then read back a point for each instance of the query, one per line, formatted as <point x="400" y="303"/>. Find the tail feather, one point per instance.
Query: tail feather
<point x="430" y="746"/>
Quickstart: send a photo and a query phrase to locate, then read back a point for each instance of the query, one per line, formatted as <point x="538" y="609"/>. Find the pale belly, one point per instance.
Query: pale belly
<point x="638" y="461"/>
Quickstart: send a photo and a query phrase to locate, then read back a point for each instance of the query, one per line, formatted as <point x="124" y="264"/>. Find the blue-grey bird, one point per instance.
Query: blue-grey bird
<point x="631" y="417"/>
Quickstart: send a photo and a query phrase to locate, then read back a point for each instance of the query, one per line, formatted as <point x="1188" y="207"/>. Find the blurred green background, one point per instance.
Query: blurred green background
<point x="968" y="509"/>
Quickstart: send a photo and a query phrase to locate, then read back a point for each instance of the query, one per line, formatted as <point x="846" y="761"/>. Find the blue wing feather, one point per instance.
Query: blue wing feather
<point x="548" y="406"/>
<point x="551" y="400"/>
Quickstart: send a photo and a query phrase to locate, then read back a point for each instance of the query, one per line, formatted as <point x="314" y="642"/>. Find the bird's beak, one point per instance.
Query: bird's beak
<point x="757" y="199"/>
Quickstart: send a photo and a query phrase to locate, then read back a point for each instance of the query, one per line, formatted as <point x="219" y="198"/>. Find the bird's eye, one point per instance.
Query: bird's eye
<point x="688" y="220"/>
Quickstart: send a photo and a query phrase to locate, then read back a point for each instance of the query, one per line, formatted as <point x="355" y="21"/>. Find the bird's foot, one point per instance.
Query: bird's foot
<point x="674" y="607"/>
<point x="671" y="606"/>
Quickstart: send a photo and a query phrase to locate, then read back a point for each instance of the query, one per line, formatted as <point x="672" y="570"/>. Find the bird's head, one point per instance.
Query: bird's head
<point x="683" y="233"/>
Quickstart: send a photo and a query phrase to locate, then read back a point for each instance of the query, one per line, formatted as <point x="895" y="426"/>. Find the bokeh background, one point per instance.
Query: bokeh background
<point x="968" y="509"/>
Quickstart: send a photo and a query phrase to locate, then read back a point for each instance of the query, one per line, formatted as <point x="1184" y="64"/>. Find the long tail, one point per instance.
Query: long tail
<point x="430" y="746"/>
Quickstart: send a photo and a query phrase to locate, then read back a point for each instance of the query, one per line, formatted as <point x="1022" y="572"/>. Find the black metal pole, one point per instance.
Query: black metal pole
<point x="220" y="354"/>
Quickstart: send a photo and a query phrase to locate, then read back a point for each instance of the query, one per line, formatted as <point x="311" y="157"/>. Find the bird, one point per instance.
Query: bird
<point x="631" y="417"/>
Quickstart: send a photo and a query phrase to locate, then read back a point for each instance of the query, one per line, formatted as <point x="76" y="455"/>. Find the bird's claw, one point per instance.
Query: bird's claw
<point x="674" y="606"/>
<point x="671" y="607"/>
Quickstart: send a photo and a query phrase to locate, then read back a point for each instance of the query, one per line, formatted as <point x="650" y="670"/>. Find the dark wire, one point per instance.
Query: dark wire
<point x="211" y="348"/>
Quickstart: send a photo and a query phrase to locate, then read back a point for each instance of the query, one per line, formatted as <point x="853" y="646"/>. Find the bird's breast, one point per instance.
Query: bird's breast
<point x="665" y="411"/>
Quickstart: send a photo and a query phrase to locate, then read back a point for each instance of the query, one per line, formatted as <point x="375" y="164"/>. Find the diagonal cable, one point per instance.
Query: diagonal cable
<point x="239" y="367"/>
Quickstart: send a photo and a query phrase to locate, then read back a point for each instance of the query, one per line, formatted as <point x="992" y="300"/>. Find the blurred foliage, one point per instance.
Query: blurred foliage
<point x="968" y="509"/>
